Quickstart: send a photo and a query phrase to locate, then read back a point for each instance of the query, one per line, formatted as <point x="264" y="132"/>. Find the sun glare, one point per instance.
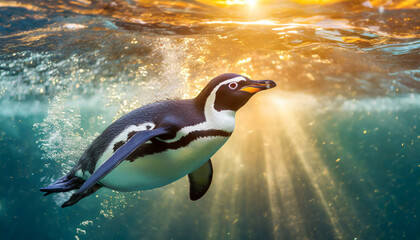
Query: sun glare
<point x="242" y="2"/>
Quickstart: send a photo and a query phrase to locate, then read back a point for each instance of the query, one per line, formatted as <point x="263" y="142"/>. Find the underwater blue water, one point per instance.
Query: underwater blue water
<point x="332" y="153"/>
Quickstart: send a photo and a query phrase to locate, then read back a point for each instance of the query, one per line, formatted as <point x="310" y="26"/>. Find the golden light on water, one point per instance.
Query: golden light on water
<point x="317" y="1"/>
<point x="257" y="22"/>
<point x="401" y="4"/>
<point x="252" y="3"/>
<point x="21" y="5"/>
<point x="231" y="2"/>
<point x="242" y="2"/>
<point x="396" y="4"/>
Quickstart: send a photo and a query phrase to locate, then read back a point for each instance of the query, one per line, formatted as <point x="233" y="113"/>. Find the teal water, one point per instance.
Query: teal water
<point x="331" y="153"/>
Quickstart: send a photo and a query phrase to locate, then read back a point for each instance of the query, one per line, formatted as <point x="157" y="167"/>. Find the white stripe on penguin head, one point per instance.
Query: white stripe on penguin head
<point x="209" y="109"/>
<point x="218" y="120"/>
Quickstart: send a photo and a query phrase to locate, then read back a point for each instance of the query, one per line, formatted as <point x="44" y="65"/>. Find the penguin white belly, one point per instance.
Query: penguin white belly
<point x="159" y="169"/>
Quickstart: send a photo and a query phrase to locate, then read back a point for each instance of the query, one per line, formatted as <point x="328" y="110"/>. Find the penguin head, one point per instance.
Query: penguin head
<point x="231" y="91"/>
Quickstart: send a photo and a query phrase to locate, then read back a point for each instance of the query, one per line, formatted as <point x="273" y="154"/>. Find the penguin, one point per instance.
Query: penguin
<point x="162" y="142"/>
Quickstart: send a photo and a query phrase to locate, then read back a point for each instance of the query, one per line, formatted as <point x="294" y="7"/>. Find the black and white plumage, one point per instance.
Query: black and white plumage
<point x="162" y="142"/>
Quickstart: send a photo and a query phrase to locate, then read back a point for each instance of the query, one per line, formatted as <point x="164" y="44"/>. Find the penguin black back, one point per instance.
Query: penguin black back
<point x="152" y="112"/>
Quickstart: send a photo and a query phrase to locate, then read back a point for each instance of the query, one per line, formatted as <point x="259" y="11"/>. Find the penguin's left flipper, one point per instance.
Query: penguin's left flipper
<point x="122" y="153"/>
<point x="200" y="180"/>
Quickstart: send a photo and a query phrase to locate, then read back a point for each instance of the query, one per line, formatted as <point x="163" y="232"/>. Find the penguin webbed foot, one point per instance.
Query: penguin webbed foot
<point x="64" y="184"/>
<point x="77" y="197"/>
<point x="67" y="183"/>
<point x="73" y="200"/>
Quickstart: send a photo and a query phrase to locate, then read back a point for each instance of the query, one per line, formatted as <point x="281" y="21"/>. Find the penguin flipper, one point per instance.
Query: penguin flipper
<point x="200" y="180"/>
<point x="118" y="157"/>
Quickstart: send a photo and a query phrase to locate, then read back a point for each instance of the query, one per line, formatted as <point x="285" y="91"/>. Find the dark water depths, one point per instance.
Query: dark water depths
<point x="332" y="153"/>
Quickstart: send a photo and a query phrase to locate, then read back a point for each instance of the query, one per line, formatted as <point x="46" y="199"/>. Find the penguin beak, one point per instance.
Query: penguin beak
<point x="257" y="86"/>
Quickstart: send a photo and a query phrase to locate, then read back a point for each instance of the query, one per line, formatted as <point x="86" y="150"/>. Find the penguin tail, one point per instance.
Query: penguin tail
<point x="68" y="183"/>
<point x="64" y="184"/>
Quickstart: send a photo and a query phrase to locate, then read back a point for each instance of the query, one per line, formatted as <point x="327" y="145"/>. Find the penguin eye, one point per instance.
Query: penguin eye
<point x="233" y="85"/>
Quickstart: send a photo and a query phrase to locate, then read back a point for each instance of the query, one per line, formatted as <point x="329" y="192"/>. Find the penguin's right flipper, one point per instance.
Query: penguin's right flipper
<point x="118" y="157"/>
<point x="200" y="180"/>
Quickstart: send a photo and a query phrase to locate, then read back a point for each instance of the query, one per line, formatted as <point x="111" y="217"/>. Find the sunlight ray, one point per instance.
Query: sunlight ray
<point x="280" y="191"/>
<point x="163" y="219"/>
<point x="311" y="161"/>
<point x="225" y="180"/>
